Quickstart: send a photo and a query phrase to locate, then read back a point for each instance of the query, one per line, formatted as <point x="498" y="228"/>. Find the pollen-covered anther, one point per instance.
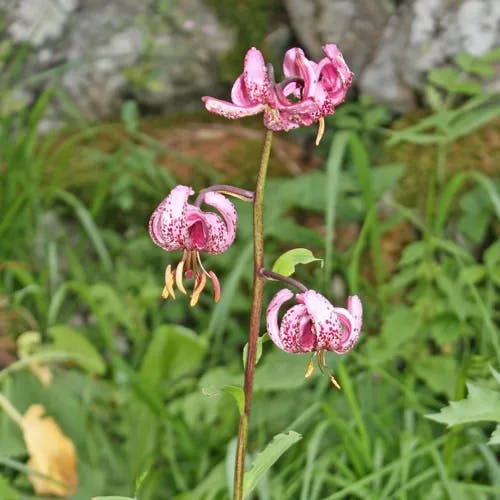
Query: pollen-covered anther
<point x="309" y="369"/>
<point x="178" y="277"/>
<point x="168" y="289"/>
<point x="334" y="381"/>
<point x="216" y="285"/>
<point x="199" y="285"/>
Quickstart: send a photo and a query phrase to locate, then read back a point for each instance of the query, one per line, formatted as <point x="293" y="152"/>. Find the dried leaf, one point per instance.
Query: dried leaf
<point x="51" y="453"/>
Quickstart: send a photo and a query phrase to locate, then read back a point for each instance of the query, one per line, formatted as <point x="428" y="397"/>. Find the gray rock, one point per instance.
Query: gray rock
<point x="390" y="51"/>
<point x="110" y="50"/>
<point x="356" y="26"/>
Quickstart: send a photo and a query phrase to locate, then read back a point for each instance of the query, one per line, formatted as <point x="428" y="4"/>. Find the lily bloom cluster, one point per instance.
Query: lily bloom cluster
<point x="179" y="225"/>
<point x="310" y="90"/>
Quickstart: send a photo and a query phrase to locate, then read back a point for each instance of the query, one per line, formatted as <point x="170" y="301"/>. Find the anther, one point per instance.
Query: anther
<point x="334" y="381"/>
<point x="178" y="277"/>
<point x="169" y="282"/>
<point x="199" y="285"/>
<point x="309" y="369"/>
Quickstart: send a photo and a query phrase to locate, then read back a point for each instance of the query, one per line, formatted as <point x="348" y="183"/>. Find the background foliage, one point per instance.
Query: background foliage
<point x="404" y="213"/>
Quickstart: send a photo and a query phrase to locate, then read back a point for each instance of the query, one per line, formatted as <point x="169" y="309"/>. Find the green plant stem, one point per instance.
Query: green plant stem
<point x="255" y="315"/>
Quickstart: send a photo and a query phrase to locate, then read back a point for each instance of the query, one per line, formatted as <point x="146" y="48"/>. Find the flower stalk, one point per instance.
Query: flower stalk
<point x="285" y="279"/>
<point x="255" y="315"/>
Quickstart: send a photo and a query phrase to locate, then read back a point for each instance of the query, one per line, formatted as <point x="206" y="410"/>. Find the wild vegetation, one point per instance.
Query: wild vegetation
<point x="404" y="212"/>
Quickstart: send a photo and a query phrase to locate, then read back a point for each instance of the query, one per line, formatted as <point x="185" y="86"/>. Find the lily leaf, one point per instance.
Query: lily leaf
<point x="481" y="404"/>
<point x="267" y="457"/>
<point x="238" y="395"/>
<point x="258" y="354"/>
<point x="285" y="264"/>
<point x="495" y="436"/>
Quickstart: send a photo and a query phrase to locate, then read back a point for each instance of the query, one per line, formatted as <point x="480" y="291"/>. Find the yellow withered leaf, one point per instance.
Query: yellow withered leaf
<point x="51" y="453"/>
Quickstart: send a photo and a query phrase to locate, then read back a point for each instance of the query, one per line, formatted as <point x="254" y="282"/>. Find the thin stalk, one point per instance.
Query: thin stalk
<point x="255" y="315"/>
<point x="285" y="279"/>
<point x="241" y="194"/>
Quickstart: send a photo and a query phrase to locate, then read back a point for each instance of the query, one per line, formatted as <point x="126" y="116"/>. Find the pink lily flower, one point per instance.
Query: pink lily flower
<point x="179" y="225"/>
<point x="309" y="91"/>
<point x="314" y="325"/>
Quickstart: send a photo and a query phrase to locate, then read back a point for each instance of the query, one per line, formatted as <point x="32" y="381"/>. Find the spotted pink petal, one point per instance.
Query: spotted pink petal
<point x="230" y="110"/>
<point x="197" y="229"/>
<point x="351" y="320"/>
<point x="257" y="85"/>
<point x="239" y="94"/>
<point x="326" y="322"/>
<point x="293" y="116"/>
<point x="297" y="330"/>
<point x="273" y="328"/>
<point x="335" y="75"/>
<point x="168" y="226"/>
<point x="221" y="233"/>
<point x="296" y="64"/>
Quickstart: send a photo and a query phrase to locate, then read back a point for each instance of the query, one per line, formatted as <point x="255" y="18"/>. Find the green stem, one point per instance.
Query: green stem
<point x="255" y="315"/>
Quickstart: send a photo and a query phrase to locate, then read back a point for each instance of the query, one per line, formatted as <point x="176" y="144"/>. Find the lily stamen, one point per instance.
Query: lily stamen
<point x="199" y="285"/>
<point x="169" y="283"/>
<point x="310" y="368"/>
<point x="178" y="276"/>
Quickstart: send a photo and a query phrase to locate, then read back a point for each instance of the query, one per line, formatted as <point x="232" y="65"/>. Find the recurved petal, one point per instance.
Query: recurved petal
<point x="257" y="85"/>
<point x="296" y="64"/>
<point x="348" y="337"/>
<point x="355" y="307"/>
<point x="167" y="225"/>
<point x="272" y="312"/>
<point x="239" y="95"/>
<point x="230" y="110"/>
<point x="336" y="77"/>
<point x="221" y="234"/>
<point x="351" y="320"/>
<point x="297" y="330"/>
<point x="326" y="322"/>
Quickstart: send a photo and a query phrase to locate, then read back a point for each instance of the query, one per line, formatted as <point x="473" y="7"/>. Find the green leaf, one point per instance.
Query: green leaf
<point x="258" y="354"/>
<point x="266" y="459"/>
<point x="69" y="340"/>
<point x="439" y="373"/>
<point x="400" y="326"/>
<point x="238" y="395"/>
<point x="481" y="404"/>
<point x="285" y="264"/>
<point x="474" y="65"/>
<point x="6" y="492"/>
<point x="495" y="436"/>
<point x="280" y="371"/>
<point x="452" y="81"/>
<point x="173" y="351"/>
